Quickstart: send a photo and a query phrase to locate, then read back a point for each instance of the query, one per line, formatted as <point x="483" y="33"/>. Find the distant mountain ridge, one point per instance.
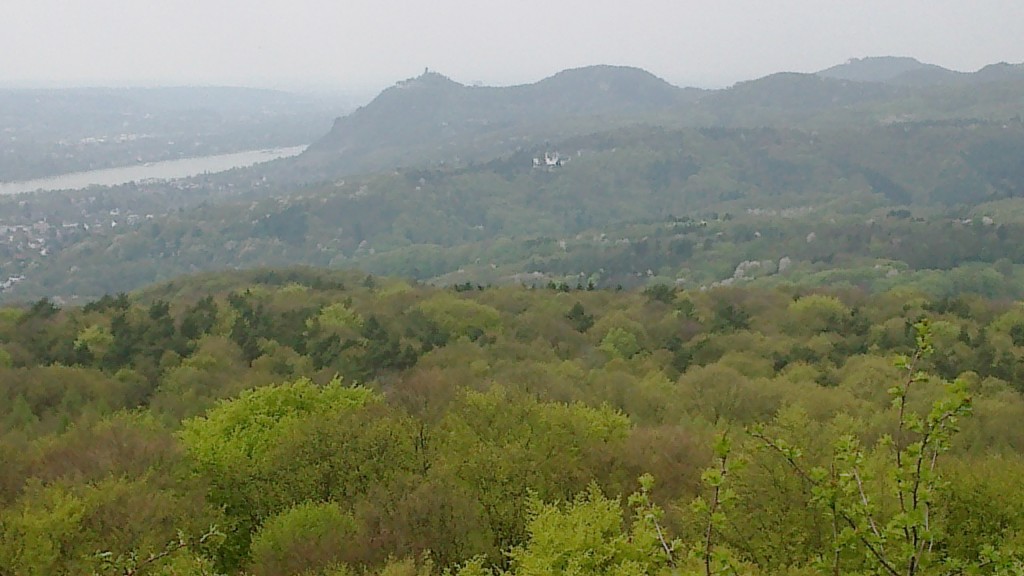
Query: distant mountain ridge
<point x="879" y="69"/>
<point x="907" y="71"/>
<point x="431" y="120"/>
<point x="449" y="183"/>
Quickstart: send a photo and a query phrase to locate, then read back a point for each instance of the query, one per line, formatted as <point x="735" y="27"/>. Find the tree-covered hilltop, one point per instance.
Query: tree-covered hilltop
<point x="297" y="421"/>
<point x="869" y="208"/>
<point x="592" y="175"/>
<point x="905" y="71"/>
<point x="433" y="121"/>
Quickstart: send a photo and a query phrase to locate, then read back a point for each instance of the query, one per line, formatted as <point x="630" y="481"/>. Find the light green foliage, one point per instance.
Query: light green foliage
<point x="459" y="315"/>
<point x="719" y="392"/>
<point x="768" y="494"/>
<point x="750" y="364"/>
<point x="514" y="418"/>
<point x="243" y="429"/>
<point x="505" y="445"/>
<point x="214" y="371"/>
<point x="644" y="400"/>
<point x="181" y="556"/>
<point x="96" y="339"/>
<point x="61" y="529"/>
<point x="35" y="540"/>
<point x="338" y="316"/>
<point x="186" y="391"/>
<point x="503" y="397"/>
<point x="868" y="378"/>
<point x="891" y="538"/>
<point x="282" y="360"/>
<point x="214" y="353"/>
<point x="1007" y="332"/>
<point x="587" y="536"/>
<point x="9" y="316"/>
<point x="945" y="335"/>
<point x="619" y="343"/>
<point x="817" y="313"/>
<point x="476" y="566"/>
<point x="407" y="567"/>
<point x="5" y="358"/>
<point x="712" y="510"/>
<point x="341" y="455"/>
<point x="294" y="290"/>
<point x="20" y="415"/>
<point x="235" y="445"/>
<point x="618" y="320"/>
<point x="304" y="538"/>
<point x="979" y="499"/>
<point x="395" y="287"/>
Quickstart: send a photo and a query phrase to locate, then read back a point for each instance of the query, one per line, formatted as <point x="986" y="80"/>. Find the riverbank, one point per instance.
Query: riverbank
<point x="167" y="170"/>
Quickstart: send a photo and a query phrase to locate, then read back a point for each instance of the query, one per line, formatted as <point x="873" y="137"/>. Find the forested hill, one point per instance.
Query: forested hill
<point x="432" y="120"/>
<point x="911" y="72"/>
<point x="882" y="69"/>
<point x="936" y="205"/>
<point x="605" y="175"/>
<point x="333" y="423"/>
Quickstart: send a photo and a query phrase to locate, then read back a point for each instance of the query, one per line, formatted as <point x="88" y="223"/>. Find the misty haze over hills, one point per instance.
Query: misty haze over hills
<point x="446" y="182"/>
<point x="434" y="119"/>
<point x="365" y="288"/>
<point x="46" y="132"/>
<point x="505" y="271"/>
<point x="909" y="71"/>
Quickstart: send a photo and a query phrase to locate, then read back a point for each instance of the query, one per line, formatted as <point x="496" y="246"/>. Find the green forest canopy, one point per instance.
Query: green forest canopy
<point x="311" y="422"/>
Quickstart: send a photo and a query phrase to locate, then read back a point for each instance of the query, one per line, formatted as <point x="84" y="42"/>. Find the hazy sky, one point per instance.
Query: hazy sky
<point x="365" y="45"/>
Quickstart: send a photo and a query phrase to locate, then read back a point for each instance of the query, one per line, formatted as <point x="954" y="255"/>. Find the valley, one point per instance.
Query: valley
<point x="597" y="324"/>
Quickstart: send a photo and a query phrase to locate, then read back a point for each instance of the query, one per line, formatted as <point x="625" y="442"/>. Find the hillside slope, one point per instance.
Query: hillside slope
<point x="432" y="119"/>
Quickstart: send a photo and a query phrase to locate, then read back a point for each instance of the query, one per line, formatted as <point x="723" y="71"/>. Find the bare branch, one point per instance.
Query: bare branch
<point x="864" y="501"/>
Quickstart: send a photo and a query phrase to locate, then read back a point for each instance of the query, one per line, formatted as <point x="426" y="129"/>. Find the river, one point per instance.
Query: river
<point x="167" y="170"/>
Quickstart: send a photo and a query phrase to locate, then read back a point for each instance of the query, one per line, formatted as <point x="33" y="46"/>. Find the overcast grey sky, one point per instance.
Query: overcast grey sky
<point x="364" y="45"/>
